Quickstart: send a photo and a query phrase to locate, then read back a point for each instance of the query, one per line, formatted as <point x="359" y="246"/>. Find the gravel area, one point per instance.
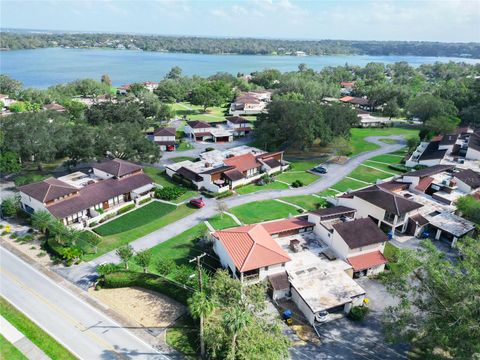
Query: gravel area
<point x="145" y="307"/>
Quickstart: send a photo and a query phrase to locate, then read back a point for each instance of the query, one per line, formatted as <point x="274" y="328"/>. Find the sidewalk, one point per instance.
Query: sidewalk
<point x="29" y="349"/>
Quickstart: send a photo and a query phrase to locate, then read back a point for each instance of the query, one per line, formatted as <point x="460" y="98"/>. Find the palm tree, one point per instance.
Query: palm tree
<point x="41" y="220"/>
<point x="58" y="230"/>
<point x="235" y="320"/>
<point x="200" y="307"/>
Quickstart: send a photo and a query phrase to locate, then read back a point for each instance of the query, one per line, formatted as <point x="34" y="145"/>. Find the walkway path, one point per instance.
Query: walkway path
<point x="83" y="274"/>
<point x="20" y="341"/>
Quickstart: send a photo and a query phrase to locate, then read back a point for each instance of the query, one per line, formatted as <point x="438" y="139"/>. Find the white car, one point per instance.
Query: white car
<point x="322" y="316"/>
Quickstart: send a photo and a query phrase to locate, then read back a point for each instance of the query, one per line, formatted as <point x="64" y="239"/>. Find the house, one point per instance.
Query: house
<point x="54" y="107"/>
<point x="79" y="199"/>
<point x="250" y="103"/>
<point x="459" y="147"/>
<point x="150" y="85"/>
<point x="367" y="120"/>
<point x="220" y="171"/>
<point x="288" y="255"/>
<point x="165" y="138"/>
<point x="347" y="87"/>
<point x="240" y="125"/>
<point x="357" y="102"/>
<point x="467" y="180"/>
<point x="123" y="90"/>
<point x="6" y="100"/>
<point x="223" y="131"/>
<point x="389" y="210"/>
<point x="359" y="242"/>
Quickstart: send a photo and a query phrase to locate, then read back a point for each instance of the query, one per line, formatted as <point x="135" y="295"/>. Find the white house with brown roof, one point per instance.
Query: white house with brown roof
<point x="221" y="131"/>
<point x="81" y="198"/>
<point x="250" y="103"/>
<point x="165" y="137"/>
<point x="359" y="242"/>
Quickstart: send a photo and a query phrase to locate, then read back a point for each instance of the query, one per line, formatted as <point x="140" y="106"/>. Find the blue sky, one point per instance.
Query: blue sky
<point x="433" y="20"/>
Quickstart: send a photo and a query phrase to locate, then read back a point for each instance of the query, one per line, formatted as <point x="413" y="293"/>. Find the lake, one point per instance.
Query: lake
<point x="45" y="67"/>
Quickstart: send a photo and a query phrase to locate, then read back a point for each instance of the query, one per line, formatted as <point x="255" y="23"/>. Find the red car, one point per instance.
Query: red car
<point x="199" y="203"/>
<point x="170" y="147"/>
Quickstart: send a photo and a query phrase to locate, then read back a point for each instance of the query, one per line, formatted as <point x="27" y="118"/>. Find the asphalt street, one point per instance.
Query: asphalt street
<point x="81" y="328"/>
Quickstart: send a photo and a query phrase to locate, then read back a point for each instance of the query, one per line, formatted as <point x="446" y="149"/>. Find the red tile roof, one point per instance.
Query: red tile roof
<point x="424" y="183"/>
<point x="243" y="162"/>
<point x="251" y="247"/>
<point x="366" y="261"/>
<point x="279" y="226"/>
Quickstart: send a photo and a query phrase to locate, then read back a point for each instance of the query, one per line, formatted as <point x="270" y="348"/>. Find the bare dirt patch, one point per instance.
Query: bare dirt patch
<point x="145" y="307"/>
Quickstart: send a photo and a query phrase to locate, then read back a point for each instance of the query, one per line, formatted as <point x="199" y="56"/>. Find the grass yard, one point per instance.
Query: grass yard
<point x="368" y="174"/>
<point x="387" y="158"/>
<point x="183" y="336"/>
<point x="290" y="176"/>
<point x="382" y="167"/>
<point x="304" y="165"/>
<point x="264" y="210"/>
<point x="389" y="141"/>
<point x="184" y="145"/>
<point x="308" y="202"/>
<point x="8" y="351"/>
<point x="348" y="184"/>
<point x="220" y="222"/>
<point x="195" y="112"/>
<point x="327" y="192"/>
<point x="111" y="242"/>
<point x="180" y="248"/>
<point x="36" y="335"/>
<point x="358" y="136"/>
<point x="247" y="189"/>
<point x="136" y="218"/>
<point x="182" y="158"/>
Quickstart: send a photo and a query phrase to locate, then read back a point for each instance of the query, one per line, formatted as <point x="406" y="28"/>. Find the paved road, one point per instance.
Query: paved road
<point x="83" y="274"/>
<point x="84" y="330"/>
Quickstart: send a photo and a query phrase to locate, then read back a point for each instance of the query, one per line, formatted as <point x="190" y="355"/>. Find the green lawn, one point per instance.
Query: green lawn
<point x="182" y="158"/>
<point x="220" y="222"/>
<point x="264" y="210"/>
<point x="36" y="335"/>
<point x="8" y="351"/>
<point x="195" y="112"/>
<point x="183" y="336"/>
<point x="180" y="248"/>
<point x="247" y="189"/>
<point x="359" y="144"/>
<point x="114" y="241"/>
<point x="387" y="158"/>
<point x="382" y="167"/>
<point x="308" y="202"/>
<point x="368" y="174"/>
<point x="290" y="176"/>
<point x="184" y="145"/>
<point x="136" y="218"/>
<point x="348" y="184"/>
<point x="327" y="192"/>
<point x="304" y="165"/>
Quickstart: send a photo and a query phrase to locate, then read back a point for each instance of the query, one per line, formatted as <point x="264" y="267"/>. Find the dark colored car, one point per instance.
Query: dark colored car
<point x="199" y="203"/>
<point x="320" y="169"/>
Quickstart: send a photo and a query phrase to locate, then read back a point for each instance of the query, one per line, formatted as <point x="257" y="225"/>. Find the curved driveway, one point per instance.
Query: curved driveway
<point x="83" y="274"/>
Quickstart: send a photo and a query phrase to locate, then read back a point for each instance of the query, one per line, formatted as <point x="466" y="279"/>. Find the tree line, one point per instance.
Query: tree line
<point x="244" y="46"/>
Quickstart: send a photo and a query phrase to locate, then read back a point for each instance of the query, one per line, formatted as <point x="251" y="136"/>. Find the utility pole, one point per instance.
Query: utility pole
<point x="199" y="270"/>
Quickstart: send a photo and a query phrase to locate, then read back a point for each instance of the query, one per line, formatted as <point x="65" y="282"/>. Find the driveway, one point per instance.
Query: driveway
<point x="84" y="273"/>
<point x="350" y="340"/>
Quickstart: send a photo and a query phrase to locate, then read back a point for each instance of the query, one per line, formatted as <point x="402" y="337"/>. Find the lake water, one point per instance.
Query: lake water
<point x="45" y="67"/>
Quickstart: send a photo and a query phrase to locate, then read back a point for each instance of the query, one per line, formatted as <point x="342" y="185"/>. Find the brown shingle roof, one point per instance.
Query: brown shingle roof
<point x="237" y="120"/>
<point x="97" y="193"/>
<point x="469" y="177"/>
<point x="117" y="167"/>
<point x="189" y="174"/>
<point x="279" y="281"/>
<point x="234" y="174"/>
<point x="335" y="210"/>
<point x="198" y="124"/>
<point x="429" y="171"/>
<point x="47" y="190"/>
<point x="386" y="200"/>
<point x="165" y="132"/>
<point x="360" y="232"/>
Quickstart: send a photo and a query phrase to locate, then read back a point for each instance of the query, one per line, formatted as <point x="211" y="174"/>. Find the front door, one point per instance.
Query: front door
<point x="105" y="205"/>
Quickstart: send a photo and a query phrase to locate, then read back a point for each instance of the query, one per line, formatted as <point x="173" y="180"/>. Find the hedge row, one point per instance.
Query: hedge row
<point x="153" y="282"/>
<point x="125" y="209"/>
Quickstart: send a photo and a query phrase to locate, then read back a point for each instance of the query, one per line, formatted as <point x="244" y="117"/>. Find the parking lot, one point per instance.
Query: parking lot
<point x="346" y="339"/>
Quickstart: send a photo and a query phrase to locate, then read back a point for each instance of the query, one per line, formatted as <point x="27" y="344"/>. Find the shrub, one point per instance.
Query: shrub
<point x="10" y="206"/>
<point x="165" y="266"/>
<point x="297" y="183"/>
<point x="108" y="268"/>
<point x="169" y="193"/>
<point x="27" y="179"/>
<point x="141" y="202"/>
<point x="357" y="313"/>
<point x="300" y="211"/>
<point x="148" y="281"/>
<point x="209" y="149"/>
<point x="125" y="209"/>
<point x="211" y="194"/>
<point x="398" y="167"/>
<point x="27" y="238"/>
<point x="93" y="223"/>
<point x="224" y="194"/>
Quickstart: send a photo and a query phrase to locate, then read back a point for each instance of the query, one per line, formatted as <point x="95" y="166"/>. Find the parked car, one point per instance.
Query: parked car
<point x="199" y="203"/>
<point x="320" y="169"/>
<point x="170" y="147"/>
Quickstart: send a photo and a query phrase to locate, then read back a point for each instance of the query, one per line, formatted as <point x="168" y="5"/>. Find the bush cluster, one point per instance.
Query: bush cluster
<point x="169" y="193"/>
<point x="125" y="209"/>
<point x="357" y="313"/>
<point x="297" y="184"/>
<point x="143" y="201"/>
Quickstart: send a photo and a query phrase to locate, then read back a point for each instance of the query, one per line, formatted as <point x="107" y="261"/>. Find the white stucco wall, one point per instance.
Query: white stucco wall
<point x="101" y="174"/>
<point x="472" y="154"/>
<point x="33" y="203"/>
